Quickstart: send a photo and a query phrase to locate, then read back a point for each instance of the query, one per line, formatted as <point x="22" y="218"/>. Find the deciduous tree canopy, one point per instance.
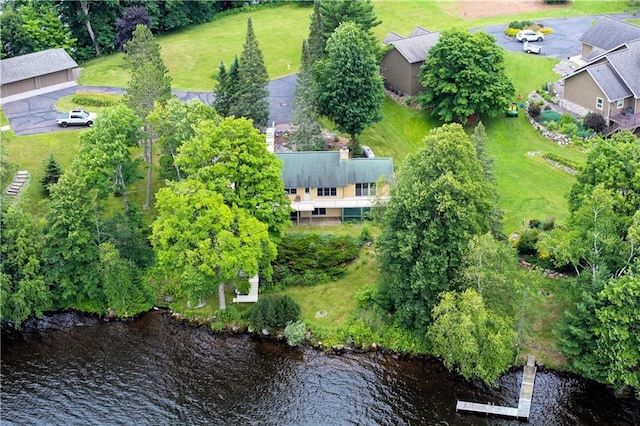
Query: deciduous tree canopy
<point x="201" y="242"/>
<point x="464" y="74"/>
<point x="349" y="86"/>
<point x="470" y="338"/>
<point x="440" y="201"/>
<point x="230" y="158"/>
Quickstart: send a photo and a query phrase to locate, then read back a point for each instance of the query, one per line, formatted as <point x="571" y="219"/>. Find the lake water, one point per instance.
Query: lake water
<point x="157" y="371"/>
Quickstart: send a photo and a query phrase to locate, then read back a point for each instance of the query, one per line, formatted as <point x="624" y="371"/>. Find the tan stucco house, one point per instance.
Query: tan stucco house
<point x="404" y="57"/>
<point x="609" y="84"/>
<point x="330" y="186"/>
<point x="607" y="33"/>
<point x="36" y="71"/>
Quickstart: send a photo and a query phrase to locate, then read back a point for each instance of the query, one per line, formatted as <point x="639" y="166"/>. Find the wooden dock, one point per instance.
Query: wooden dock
<point x="524" y="403"/>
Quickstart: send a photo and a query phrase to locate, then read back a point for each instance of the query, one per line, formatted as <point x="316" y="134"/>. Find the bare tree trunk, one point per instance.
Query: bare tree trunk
<point x="84" y="5"/>
<point x="221" y="301"/>
<point x="123" y="188"/>
<point x="354" y="144"/>
<point x="147" y="203"/>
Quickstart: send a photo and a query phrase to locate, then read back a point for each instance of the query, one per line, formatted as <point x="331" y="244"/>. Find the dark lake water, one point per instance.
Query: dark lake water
<point x="157" y="371"/>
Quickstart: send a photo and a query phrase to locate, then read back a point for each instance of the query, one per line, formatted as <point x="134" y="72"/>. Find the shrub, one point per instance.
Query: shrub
<point x="546" y="31"/>
<point x="594" y="121"/>
<point x="534" y="110"/>
<point x="366" y="296"/>
<point x="527" y="242"/>
<point x="511" y="32"/>
<point x="586" y="134"/>
<point x="308" y="259"/>
<point x="561" y="160"/>
<point x="295" y="332"/>
<point x="549" y="223"/>
<point x="567" y="119"/>
<point x="365" y="234"/>
<point x="95" y="99"/>
<point x="550" y="115"/>
<point x="519" y="24"/>
<point x="273" y="311"/>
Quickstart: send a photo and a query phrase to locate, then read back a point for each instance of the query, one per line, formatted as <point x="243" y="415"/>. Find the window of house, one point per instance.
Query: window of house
<point x="599" y="103"/>
<point x="365" y="189"/>
<point x="327" y="192"/>
<point x="620" y="103"/>
<point x="291" y="191"/>
<point x="319" y="212"/>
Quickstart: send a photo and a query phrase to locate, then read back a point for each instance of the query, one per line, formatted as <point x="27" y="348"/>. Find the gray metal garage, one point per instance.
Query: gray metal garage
<point x="35" y="71"/>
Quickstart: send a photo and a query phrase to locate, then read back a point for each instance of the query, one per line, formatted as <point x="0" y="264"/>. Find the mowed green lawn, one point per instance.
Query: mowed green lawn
<point x="193" y="55"/>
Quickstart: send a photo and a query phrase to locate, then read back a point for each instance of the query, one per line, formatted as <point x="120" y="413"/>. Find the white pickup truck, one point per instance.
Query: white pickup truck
<point x="531" y="47"/>
<point x="76" y="117"/>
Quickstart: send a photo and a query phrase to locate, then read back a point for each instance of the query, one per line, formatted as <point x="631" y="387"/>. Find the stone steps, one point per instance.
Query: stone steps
<point x="20" y="179"/>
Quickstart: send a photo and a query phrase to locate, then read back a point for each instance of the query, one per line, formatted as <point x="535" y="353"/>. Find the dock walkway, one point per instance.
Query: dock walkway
<point x="524" y="403"/>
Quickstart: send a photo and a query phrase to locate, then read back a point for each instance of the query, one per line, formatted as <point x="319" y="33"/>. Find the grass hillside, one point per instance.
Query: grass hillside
<point x="193" y="55"/>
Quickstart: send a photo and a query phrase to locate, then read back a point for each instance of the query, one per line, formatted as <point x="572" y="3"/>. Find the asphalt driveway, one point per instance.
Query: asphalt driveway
<point x="563" y="43"/>
<point x="37" y="114"/>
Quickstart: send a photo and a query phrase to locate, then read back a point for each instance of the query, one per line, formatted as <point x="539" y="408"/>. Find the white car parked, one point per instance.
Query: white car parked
<point x="529" y="35"/>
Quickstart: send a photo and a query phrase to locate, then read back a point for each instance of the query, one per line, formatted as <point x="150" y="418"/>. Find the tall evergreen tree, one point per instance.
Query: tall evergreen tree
<point x="71" y="251"/>
<point x="479" y="139"/>
<point x="317" y="40"/>
<point x="360" y="12"/>
<point x="221" y="91"/>
<point x="52" y="173"/>
<point x="307" y="133"/>
<point x="228" y="89"/>
<point x="252" y="96"/>
<point x="150" y="82"/>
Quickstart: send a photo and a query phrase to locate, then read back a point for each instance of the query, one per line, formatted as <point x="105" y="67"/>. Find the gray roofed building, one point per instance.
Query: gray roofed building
<point x="609" y="85"/>
<point x="415" y="48"/>
<point x="401" y="63"/>
<point x="35" y="71"/>
<point x="609" y="81"/>
<point x="607" y="33"/>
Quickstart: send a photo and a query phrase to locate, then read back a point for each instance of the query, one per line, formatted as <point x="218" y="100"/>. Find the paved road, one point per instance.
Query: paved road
<point x="37" y="114"/>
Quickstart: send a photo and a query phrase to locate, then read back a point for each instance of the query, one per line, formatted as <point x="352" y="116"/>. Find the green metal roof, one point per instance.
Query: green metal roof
<point x="324" y="169"/>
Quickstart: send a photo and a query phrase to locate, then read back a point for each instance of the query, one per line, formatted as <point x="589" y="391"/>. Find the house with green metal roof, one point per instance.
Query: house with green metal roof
<point x="331" y="186"/>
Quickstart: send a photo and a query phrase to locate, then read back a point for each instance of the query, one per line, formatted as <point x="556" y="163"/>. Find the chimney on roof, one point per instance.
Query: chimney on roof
<point x="271" y="139"/>
<point x="344" y="153"/>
